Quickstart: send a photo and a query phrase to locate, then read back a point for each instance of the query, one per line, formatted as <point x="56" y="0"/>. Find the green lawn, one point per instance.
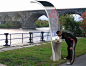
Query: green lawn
<point x="38" y="55"/>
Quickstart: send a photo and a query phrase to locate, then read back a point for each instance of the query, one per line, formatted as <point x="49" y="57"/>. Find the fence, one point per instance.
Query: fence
<point x="80" y="35"/>
<point x="30" y="37"/>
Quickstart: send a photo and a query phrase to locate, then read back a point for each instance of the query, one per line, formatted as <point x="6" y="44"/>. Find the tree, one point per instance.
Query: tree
<point x="67" y="21"/>
<point x="11" y="25"/>
<point x="42" y="23"/>
<point x="38" y="23"/>
<point x="7" y="25"/>
<point x="70" y="25"/>
<point x="84" y="21"/>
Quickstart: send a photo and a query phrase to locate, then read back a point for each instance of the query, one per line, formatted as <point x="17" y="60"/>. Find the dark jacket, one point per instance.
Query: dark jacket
<point x="69" y="38"/>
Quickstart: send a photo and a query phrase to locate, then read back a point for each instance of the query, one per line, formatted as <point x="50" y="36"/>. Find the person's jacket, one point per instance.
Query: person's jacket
<point x="69" y="38"/>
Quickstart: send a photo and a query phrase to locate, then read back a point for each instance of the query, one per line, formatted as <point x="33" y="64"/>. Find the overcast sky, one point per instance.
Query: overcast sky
<point x="76" y="17"/>
<point x="21" y="5"/>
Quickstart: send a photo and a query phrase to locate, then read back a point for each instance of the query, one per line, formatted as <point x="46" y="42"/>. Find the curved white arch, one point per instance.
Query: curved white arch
<point x="53" y="21"/>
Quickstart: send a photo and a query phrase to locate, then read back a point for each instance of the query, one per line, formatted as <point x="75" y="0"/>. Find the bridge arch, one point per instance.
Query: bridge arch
<point x="25" y="16"/>
<point x="17" y="20"/>
<point x="31" y="22"/>
<point x="70" y="11"/>
<point x="5" y="18"/>
<point x="16" y="17"/>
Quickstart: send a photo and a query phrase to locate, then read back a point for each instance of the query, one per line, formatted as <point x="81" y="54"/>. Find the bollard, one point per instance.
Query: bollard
<point x="6" y="40"/>
<point x="31" y="37"/>
<point x="42" y="37"/>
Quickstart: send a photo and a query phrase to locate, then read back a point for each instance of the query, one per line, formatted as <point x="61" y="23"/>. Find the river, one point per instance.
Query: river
<point x="18" y="34"/>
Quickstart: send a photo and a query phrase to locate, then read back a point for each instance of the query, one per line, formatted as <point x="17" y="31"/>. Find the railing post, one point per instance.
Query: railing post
<point x="22" y="37"/>
<point x="47" y="35"/>
<point x="6" y="40"/>
<point x="42" y="37"/>
<point x="10" y="39"/>
<point x="31" y="37"/>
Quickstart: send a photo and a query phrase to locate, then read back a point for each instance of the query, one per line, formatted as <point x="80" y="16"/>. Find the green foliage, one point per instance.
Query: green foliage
<point x="67" y="21"/>
<point x="70" y="25"/>
<point x="9" y="25"/>
<point x="6" y="25"/>
<point x="38" y="23"/>
<point x="84" y="23"/>
<point x="16" y="25"/>
<point x="42" y="23"/>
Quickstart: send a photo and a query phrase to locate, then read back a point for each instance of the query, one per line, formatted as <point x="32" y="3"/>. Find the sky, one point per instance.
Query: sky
<point x="43" y="17"/>
<point x="22" y="5"/>
<point x="76" y="17"/>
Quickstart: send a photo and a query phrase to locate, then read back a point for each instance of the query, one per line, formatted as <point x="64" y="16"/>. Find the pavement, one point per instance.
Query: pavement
<point x="79" y="61"/>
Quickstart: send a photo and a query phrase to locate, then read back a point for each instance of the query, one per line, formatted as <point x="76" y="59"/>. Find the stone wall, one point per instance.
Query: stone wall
<point x="29" y="18"/>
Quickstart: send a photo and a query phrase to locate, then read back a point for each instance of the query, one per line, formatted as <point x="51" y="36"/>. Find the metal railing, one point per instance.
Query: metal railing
<point x="30" y="37"/>
<point x="80" y="35"/>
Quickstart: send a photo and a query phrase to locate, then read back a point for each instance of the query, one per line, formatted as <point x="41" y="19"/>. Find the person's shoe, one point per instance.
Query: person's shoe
<point x="65" y="58"/>
<point x="69" y="63"/>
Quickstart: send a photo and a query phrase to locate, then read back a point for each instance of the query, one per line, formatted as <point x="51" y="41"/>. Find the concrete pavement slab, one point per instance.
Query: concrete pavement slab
<point x="79" y="61"/>
<point x="2" y="65"/>
<point x="29" y="46"/>
<point x="10" y="48"/>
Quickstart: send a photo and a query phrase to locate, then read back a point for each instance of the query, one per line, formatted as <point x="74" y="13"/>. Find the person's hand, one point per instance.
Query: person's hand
<point x="60" y="37"/>
<point x="71" y="48"/>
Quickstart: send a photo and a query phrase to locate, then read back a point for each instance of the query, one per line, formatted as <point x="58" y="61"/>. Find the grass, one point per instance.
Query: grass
<point x="38" y="55"/>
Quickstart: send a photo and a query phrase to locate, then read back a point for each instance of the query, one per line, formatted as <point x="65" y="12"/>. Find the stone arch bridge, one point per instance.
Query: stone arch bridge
<point x="29" y="18"/>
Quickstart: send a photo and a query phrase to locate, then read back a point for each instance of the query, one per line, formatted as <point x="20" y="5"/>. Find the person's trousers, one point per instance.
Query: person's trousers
<point x="71" y="53"/>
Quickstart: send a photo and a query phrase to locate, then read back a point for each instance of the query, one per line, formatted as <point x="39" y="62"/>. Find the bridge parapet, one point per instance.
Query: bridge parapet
<point x="29" y="18"/>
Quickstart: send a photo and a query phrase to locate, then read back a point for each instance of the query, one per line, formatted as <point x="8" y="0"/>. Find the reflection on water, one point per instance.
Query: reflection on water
<point x="19" y="41"/>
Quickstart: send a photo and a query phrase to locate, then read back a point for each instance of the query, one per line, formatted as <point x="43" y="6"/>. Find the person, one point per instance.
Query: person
<point x="71" y="42"/>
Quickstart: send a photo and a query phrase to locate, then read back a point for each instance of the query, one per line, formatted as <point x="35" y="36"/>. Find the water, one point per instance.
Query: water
<point x="19" y="35"/>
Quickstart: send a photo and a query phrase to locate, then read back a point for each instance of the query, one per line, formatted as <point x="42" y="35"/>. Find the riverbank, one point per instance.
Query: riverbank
<point x="17" y="33"/>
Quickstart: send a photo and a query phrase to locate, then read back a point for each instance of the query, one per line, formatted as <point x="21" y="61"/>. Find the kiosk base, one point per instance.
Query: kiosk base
<point x="57" y="50"/>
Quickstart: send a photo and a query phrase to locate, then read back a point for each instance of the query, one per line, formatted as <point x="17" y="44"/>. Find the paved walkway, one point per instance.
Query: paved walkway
<point x="79" y="61"/>
<point x="2" y="65"/>
<point x="17" y="47"/>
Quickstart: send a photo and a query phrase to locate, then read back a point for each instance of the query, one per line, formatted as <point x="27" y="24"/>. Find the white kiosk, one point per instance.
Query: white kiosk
<point x="54" y="26"/>
<point x="56" y="45"/>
